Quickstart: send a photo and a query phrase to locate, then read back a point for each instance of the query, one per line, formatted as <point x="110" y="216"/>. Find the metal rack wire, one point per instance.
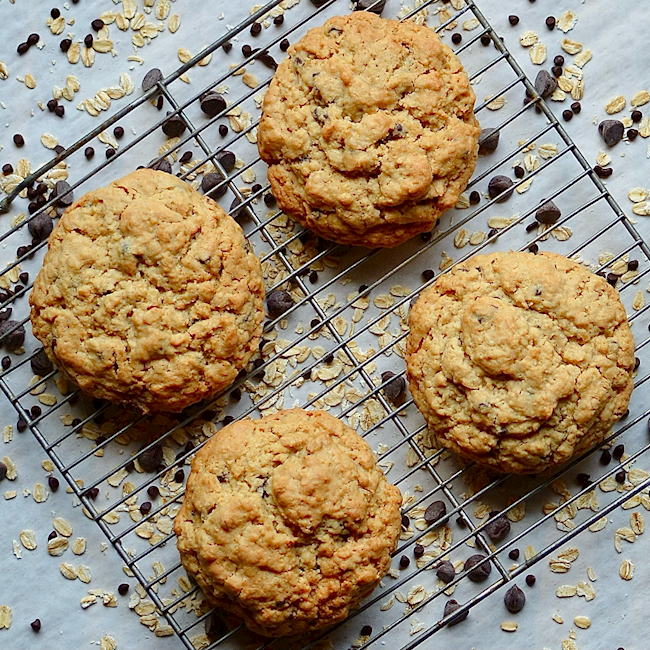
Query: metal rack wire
<point x="88" y="448"/>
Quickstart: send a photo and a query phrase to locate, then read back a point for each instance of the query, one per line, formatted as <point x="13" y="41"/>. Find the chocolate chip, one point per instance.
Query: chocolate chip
<point x="145" y="507"/>
<point x="7" y="169"/>
<point x="55" y="13"/>
<point x="605" y="457"/>
<point x="515" y="599"/>
<point x="404" y="561"/>
<point x="179" y="476"/>
<point x="485" y="40"/>
<point x="434" y="512"/>
<point x="151" y="458"/>
<point x="153" y="491"/>
<point x="557" y="71"/>
<point x="548" y="213"/>
<point x="284" y="44"/>
<point x="278" y="20"/>
<point x="611" y="131"/>
<point x="550" y="22"/>
<point x="32" y="39"/>
<point x="226" y="47"/>
<point x="40" y="227"/>
<point x="65" y="44"/>
<point x="513" y="20"/>
<point x="12" y="339"/>
<point x="22" y="48"/>
<point x="256" y="29"/>
<point x="488" y="141"/>
<point x="63" y="193"/>
<point x="35" y="411"/>
<point x="163" y="166"/>
<point x="374" y="6"/>
<point x="567" y="115"/>
<point x="618" y="452"/>
<point x="636" y="116"/>
<point x="212" y="103"/>
<point x="151" y="79"/>
<point x="530" y="579"/>
<point x="497" y="527"/>
<point x="227" y="160"/>
<point x="210" y="181"/>
<point x="545" y="83"/>
<point x="36" y="625"/>
<point x="603" y="172"/>
<point x="576" y="107"/>
<point x="278" y="302"/>
<point x="88" y="40"/>
<point x="53" y="482"/>
<point x="633" y="265"/>
<point x="395" y="388"/>
<point x="6" y="363"/>
<point x="620" y="476"/>
<point x="174" y="126"/>
<point x="500" y="186"/>
<point x="97" y="24"/>
<point x="366" y="630"/>
<point x="450" y="607"/>
<point x="19" y="141"/>
<point x="185" y="158"/>
<point x="479" y="568"/>
<point x="474" y="197"/>
<point x="52" y="535"/>
<point x="21" y="425"/>
<point x="425" y="236"/>
<point x="89" y="152"/>
<point x="41" y="364"/>
<point x="632" y="134"/>
<point x="456" y="38"/>
<point x="520" y="172"/>
<point x="428" y="274"/>
<point x="3" y="471"/>
<point x="123" y="589"/>
<point x="514" y="554"/>
<point x="418" y="550"/>
<point x="559" y="60"/>
<point x="446" y="572"/>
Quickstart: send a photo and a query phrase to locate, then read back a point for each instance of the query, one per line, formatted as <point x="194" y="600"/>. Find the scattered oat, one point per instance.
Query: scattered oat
<point x="566" y="591"/>
<point x="49" y="141"/>
<point x="571" y="47"/>
<point x="79" y="546"/>
<point x="583" y="622"/>
<point x="28" y="539"/>
<point x="174" y="23"/>
<point x="496" y="103"/>
<point x="509" y="626"/>
<point x="639" y="301"/>
<point x="528" y="38"/>
<point x="615" y="105"/>
<point x="627" y="570"/>
<point x="40" y="493"/>
<point x="5" y="617"/>
<point x="57" y="546"/>
<point x="62" y="527"/>
<point x="641" y="98"/>
<point x="538" y="53"/>
<point x="558" y="619"/>
<point x="68" y="571"/>
<point x="566" y="21"/>
<point x="4" y="70"/>
<point x="107" y="643"/>
<point x="583" y="58"/>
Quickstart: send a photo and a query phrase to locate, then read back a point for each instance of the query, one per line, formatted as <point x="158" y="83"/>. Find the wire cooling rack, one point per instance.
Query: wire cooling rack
<point x="346" y="328"/>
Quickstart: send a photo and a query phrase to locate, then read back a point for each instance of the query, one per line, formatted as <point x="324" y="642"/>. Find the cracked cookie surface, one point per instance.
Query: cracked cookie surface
<point x="149" y="295"/>
<point x="369" y="131"/>
<point x="287" y="521"/>
<point x="519" y="361"/>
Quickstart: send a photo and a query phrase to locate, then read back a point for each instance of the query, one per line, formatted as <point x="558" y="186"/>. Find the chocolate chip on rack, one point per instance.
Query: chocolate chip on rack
<point x="479" y="568"/>
<point x="545" y="84"/>
<point x="500" y="187"/>
<point x="278" y="302"/>
<point x="450" y="607"/>
<point x="514" y="599"/>
<point x="497" y="527"/>
<point x="548" y="213"/>
<point x="446" y="572"/>
<point x="151" y="79"/>
<point x="488" y="141"/>
<point x="435" y="512"/>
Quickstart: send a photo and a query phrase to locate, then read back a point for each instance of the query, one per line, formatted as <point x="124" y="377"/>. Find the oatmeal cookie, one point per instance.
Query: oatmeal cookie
<point x="519" y="361"/>
<point x="149" y="296"/>
<point x="287" y="521"/>
<point x="369" y="130"/>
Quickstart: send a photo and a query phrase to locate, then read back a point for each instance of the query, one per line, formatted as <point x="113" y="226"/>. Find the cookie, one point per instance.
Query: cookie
<point x="149" y="296"/>
<point x="287" y="521"/>
<point x="368" y="130"/>
<point x="519" y="361"/>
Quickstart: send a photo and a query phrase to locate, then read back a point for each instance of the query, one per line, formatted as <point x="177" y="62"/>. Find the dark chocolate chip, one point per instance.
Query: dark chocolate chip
<point x="227" y="160"/>
<point x="632" y="134"/>
<point x="55" y="13"/>
<point x="21" y="425"/>
<point x="151" y="458"/>
<point x="550" y="22"/>
<point x="7" y="169"/>
<point x="123" y="589"/>
<point x="605" y="457"/>
<point x="19" y="141"/>
<point x="515" y="599"/>
<point x="520" y="172"/>
<point x="210" y="181"/>
<point x="174" y="126"/>
<point x="284" y="44"/>
<point x="32" y="39"/>
<point x="488" y="141"/>
<point x="446" y="572"/>
<point x="500" y="186"/>
<point x="567" y="115"/>
<point x="497" y="527"/>
<point x="278" y="302"/>
<point x="185" y="158"/>
<point x="548" y="213"/>
<point x="65" y="44"/>
<point x="513" y="20"/>
<point x="618" y="452"/>
<point x="179" y="476"/>
<point x="375" y="6"/>
<point x="530" y="579"/>
<point x="53" y="482"/>
<point x="428" y="274"/>
<point x="269" y="200"/>
<point x="576" y="107"/>
<point x="479" y="568"/>
<point x="557" y="71"/>
<point x="212" y="103"/>
<point x="118" y="132"/>
<point x="485" y="40"/>
<point x="545" y="83"/>
<point x="636" y="116"/>
<point x="418" y="550"/>
<point x="6" y="363"/>
<point x="620" y="476"/>
<point x="97" y="24"/>
<point x="36" y="625"/>
<point x="151" y="79"/>
<point x="456" y="38"/>
<point x="52" y="104"/>
<point x="434" y="512"/>
<point x="63" y="193"/>
<point x="3" y="471"/>
<point x="226" y="47"/>
<point x="514" y="554"/>
<point x="450" y="607"/>
<point x="395" y="388"/>
<point x="163" y="166"/>
<point x="88" y="40"/>
<point x="404" y="562"/>
<point x="603" y="172"/>
<point x="611" y="131"/>
<point x="145" y="507"/>
<point x="153" y="491"/>
<point x="256" y="29"/>
<point x="278" y="20"/>
<point x="41" y="364"/>
<point x="22" y="48"/>
<point x="474" y="197"/>
<point x="89" y="152"/>
<point x="559" y="60"/>
<point x="12" y="339"/>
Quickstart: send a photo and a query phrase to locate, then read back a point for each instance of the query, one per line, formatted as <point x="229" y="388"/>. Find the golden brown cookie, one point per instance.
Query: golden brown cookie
<point x="518" y="361"/>
<point x="287" y="521"/>
<point x="369" y="130"/>
<point x="149" y="295"/>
